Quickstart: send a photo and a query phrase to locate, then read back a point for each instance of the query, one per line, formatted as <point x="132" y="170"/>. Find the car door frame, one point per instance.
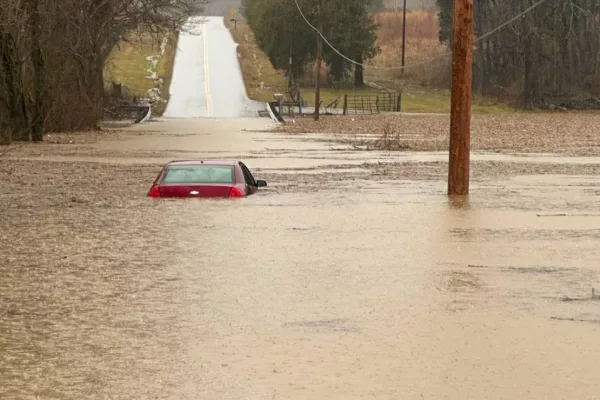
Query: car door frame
<point x="252" y="185"/>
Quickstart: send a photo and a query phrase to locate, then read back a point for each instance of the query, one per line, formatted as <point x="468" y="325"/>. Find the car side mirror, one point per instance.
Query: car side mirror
<point x="261" y="183"/>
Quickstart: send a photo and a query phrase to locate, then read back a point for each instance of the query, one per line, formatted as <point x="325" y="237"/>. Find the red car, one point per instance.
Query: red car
<point x="205" y="178"/>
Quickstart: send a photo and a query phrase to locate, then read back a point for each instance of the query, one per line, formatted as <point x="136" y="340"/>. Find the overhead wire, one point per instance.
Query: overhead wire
<point x="510" y="21"/>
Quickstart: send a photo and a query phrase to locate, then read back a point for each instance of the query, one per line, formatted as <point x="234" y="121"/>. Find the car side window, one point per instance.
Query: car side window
<point x="248" y="175"/>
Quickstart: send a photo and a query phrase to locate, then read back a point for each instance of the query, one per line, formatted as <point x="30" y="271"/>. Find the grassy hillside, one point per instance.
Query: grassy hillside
<point x="261" y="79"/>
<point x="129" y="64"/>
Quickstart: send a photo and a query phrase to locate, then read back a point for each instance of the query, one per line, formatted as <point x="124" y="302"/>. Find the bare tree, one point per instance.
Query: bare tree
<point x="53" y="53"/>
<point x="549" y="56"/>
<point x="13" y="107"/>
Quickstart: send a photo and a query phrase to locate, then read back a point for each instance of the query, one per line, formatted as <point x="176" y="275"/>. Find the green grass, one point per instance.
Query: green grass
<point x="412" y="101"/>
<point x="128" y="65"/>
<point x="439" y="102"/>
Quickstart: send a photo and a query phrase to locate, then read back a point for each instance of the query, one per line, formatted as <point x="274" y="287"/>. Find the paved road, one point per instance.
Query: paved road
<point x="222" y="7"/>
<point x="207" y="80"/>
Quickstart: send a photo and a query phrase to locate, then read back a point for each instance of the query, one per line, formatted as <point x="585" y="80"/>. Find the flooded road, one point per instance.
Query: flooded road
<point x="340" y="280"/>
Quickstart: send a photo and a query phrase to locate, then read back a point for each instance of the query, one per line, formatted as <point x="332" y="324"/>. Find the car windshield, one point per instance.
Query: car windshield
<point x="194" y="174"/>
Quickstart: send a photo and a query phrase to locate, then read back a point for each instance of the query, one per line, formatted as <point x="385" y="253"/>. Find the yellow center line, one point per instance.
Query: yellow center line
<point x="207" y="74"/>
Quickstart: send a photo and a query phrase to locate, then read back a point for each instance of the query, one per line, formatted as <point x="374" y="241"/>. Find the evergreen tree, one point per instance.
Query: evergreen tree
<point x="281" y="31"/>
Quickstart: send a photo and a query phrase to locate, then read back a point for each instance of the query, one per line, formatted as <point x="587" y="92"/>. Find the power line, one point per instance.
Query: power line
<point x="510" y="21"/>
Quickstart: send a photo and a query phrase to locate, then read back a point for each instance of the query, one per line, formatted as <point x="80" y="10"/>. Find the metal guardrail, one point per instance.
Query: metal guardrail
<point x="274" y="107"/>
<point x="122" y="106"/>
<point x="135" y="112"/>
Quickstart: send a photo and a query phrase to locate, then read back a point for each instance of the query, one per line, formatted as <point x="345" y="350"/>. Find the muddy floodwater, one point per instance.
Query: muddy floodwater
<point x="351" y="276"/>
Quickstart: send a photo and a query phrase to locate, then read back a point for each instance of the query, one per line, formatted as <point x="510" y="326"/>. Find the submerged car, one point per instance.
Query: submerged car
<point x="205" y="178"/>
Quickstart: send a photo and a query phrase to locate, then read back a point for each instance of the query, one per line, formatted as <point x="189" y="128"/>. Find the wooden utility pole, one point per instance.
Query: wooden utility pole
<point x="319" y="59"/>
<point x="460" y="105"/>
<point x="290" y="73"/>
<point x="403" y="35"/>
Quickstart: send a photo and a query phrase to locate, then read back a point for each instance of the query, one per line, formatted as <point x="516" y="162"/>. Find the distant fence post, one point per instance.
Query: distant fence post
<point x="399" y="104"/>
<point x="345" y="104"/>
<point x="117" y="90"/>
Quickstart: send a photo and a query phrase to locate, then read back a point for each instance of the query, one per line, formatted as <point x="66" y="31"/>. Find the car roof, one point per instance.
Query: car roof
<point x="202" y="162"/>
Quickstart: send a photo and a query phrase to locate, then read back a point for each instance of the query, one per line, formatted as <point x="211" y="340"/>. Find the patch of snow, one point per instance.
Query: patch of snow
<point x="154" y="94"/>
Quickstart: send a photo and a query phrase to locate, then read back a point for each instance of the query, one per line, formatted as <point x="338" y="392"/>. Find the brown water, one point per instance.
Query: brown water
<point x="352" y="288"/>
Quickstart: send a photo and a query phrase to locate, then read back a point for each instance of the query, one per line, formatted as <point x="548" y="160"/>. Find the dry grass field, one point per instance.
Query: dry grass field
<point x="425" y="80"/>
<point x="422" y="46"/>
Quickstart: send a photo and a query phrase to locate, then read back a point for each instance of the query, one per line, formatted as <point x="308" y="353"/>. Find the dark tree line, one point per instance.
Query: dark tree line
<point x="282" y="33"/>
<point x="551" y="55"/>
<point x="52" y="56"/>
